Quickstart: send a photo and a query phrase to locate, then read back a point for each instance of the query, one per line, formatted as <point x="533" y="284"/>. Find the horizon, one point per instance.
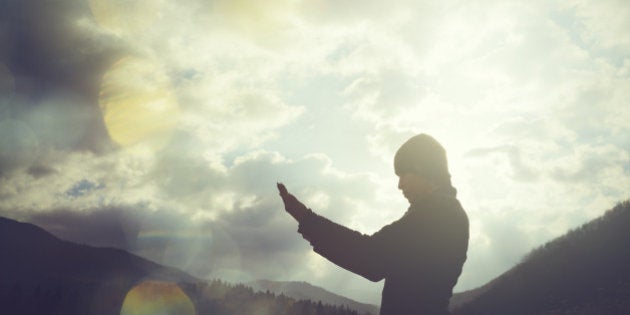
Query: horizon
<point x="161" y="128"/>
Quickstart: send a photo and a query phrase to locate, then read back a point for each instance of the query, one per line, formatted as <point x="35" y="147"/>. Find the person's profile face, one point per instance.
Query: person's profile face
<point x="414" y="186"/>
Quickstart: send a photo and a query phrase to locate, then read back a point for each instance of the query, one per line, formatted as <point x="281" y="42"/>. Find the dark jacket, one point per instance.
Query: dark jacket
<point x="420" y="256"/>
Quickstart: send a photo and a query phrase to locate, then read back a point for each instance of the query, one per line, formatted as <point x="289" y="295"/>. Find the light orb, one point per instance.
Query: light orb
<point x="156" y="297"/>
<point x="138" y="103"/>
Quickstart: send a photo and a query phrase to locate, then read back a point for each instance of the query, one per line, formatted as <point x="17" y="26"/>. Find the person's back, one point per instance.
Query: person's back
<point x="421" y="255"/>
<point x="427" y="250"/>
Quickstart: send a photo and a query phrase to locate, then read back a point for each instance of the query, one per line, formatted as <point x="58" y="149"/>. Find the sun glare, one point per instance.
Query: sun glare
<point x="138" y="104"/>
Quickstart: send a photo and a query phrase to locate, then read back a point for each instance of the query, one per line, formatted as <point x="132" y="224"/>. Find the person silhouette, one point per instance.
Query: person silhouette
<point x="420" y="255"/>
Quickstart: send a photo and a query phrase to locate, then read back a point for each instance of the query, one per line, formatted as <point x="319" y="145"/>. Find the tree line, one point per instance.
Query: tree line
<point x="213" y="298"/>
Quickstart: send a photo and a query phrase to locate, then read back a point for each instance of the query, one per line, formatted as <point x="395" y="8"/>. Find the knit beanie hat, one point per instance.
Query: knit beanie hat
<point x="423" y="155"/>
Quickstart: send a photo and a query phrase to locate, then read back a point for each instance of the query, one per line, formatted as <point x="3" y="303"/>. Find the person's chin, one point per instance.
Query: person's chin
<point x="409" y="199"/>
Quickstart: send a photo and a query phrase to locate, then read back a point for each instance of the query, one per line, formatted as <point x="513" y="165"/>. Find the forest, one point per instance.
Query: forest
<point x="585" y="271"/>
<point x="213" y="297"/>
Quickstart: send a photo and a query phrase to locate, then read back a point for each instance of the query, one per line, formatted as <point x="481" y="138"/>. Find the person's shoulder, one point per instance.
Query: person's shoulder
<point x="439" y="214"/>
<point x="437" y="202"/>
<point x="447" y="207"/>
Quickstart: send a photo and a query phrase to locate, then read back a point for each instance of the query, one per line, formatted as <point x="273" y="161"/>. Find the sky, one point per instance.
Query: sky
<point x="161" y="127"/>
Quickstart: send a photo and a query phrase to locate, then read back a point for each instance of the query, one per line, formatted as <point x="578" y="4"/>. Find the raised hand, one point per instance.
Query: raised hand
<point x="291" y="204"/>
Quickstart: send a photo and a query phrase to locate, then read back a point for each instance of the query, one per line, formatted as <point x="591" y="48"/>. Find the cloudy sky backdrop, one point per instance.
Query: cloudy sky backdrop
<point x="161" y="127"/>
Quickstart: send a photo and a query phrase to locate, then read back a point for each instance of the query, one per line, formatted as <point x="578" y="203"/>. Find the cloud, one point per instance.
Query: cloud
<point x="592" y="164"/>
<point x="17" y="146"/>
<point x="38" y="171"/>
<point x="385" y="95"/>
<point x="603" y="23"/>
<point x="51" y="69"/>
<point x="355" y="11"/>
<point x="519" y="170"/>
<point x="82" y="187"/>
<point x="226" y="115"/>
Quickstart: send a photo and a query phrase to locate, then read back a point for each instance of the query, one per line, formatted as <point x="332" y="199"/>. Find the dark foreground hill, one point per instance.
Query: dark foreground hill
<point x="41" y="274"/>
<point x="31" y="255"/>
<point x="586" y="271"/>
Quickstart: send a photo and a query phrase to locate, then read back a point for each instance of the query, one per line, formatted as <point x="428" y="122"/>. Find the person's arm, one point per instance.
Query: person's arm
<point x="351" y="250"/>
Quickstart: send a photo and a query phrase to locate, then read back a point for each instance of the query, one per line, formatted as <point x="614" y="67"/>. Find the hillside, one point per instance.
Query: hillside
<point x="306" y="291"/>
<point x="41" y="274"/>
<point x="460" y="298"/>
<point x="586" y="271"/>
<point x="32" y="255"/>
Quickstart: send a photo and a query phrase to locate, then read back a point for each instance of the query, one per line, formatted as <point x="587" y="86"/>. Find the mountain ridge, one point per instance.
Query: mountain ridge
<point x="25" y="242"/>
<point x="584" y="271"/>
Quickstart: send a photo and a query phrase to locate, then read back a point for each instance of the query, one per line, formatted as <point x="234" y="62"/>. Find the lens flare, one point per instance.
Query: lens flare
<point x="138" y="104"/>
<point x="186" y="248"/>
<point x="155" y="297"/>
<point x="125" y="16"/>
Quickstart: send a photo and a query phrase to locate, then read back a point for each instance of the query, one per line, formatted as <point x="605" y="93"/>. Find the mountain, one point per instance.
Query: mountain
<point x="306" y="291"/>
<point x="41" y="274"/>
<point x="460" y="298"/>
<point x="32" y="255"/>
<point x="586" y="271"/>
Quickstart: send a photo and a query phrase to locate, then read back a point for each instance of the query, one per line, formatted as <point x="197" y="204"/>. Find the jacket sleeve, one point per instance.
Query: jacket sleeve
<point x="349" y="249"/>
